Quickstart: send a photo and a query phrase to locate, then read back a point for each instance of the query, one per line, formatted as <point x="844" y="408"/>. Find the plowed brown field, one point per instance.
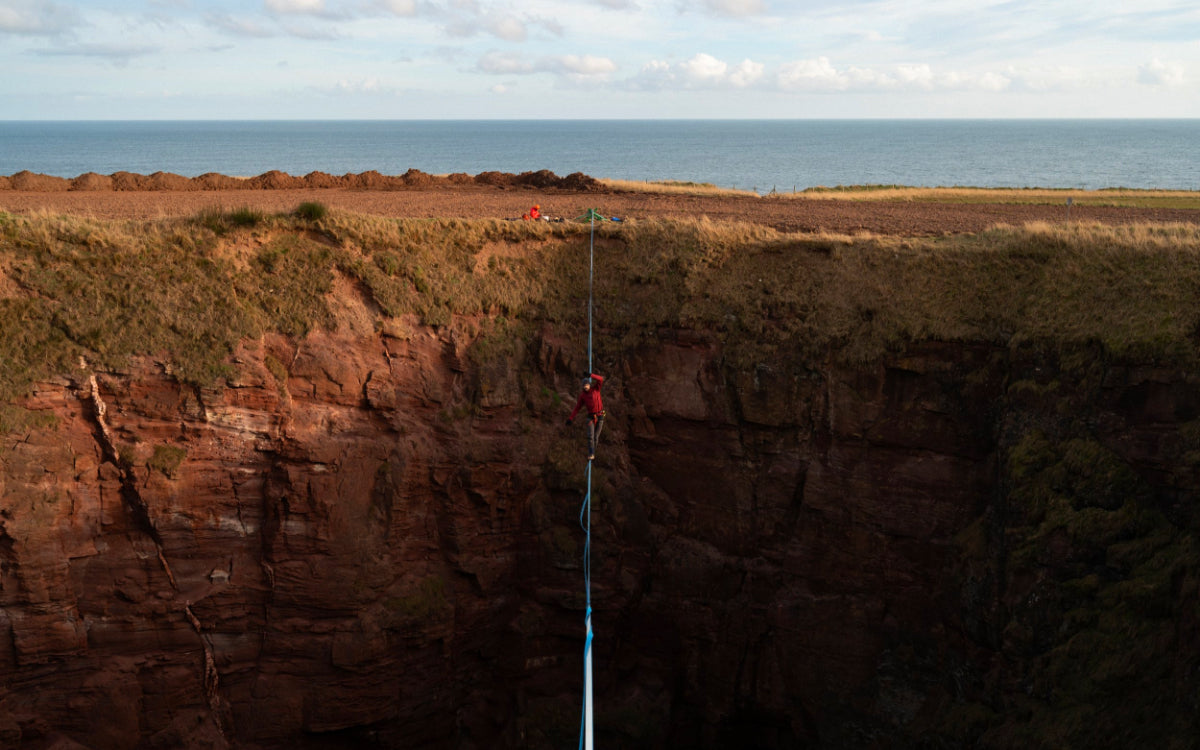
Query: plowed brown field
<point x="484" y="201"/>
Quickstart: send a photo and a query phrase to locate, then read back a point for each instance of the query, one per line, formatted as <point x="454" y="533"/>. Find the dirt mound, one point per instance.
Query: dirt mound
<point x="542" y="179"/>
<point x="92" y="181"/>
<point x="128" y="181"/>
<point x="322" y="180"/>
<point x="168" y="181"/>
<point x="37" y="182"/>
<point x="417" y="178"/>
<point x="274" y="180"/>
<point x="372" y="180"/>
<point x="215" y="181"/>
<point x="582" y="183"/>
<point x="495" y="179"/>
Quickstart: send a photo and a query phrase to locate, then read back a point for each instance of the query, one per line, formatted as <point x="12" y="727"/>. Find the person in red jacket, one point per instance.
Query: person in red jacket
<point x="590" y="397"/>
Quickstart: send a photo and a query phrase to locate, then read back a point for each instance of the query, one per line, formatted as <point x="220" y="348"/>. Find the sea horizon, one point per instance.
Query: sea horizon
<point x="758" y="154"/>
<point x="597" y="119"/>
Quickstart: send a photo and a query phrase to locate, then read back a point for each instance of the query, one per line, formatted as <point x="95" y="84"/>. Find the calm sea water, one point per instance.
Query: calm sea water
<point x="748" y="154"/>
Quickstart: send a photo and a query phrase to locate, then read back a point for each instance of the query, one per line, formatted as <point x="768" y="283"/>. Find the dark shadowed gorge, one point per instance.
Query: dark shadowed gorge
<point x="302" y="481"/>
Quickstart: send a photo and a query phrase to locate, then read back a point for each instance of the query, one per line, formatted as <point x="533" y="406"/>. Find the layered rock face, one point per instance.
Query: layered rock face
<point x="373" y="540"/>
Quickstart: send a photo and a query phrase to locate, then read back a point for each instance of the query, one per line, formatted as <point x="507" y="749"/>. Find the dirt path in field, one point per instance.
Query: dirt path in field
<point x="496" y="201"/>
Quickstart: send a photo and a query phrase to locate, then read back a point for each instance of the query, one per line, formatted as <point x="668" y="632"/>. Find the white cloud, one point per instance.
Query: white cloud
<point x="314" y="7"/>
<point x="239" y="26"/>
<point x="817" y="74"/>
<point x="581" y="65"/>
<point x="1056" y="78"/>
<point x="507" y="28"/>
<point x="32" y="17"/>
<point x="116" y="53"/>
<point x="919" y="76"/>
<point x="992" y="82"/>
<point x="399" y="7"/>
<point x="362" y="86"/>
<point x="507" y="63"/>
<point x="746" y="73"/>
<point x="310" y="32"/>
<point x="655" y="74"/>
<point x="736" y="7"/>
<point x="501" y="26"/>
<point x="701" y="71"/>
<point x="1159" y="73"/>
<point x="503" y="63"/>
<point x="703" y="68"/>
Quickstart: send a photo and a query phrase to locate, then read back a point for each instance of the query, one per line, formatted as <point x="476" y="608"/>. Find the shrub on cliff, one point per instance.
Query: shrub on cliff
<point x="245" y="217"/>
<point x="220" y="221"/>
<point x="166" y="459"/>
<point x="311" y="211"/>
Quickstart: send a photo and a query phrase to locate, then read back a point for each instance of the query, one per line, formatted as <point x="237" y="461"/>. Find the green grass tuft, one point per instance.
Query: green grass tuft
<point x="245" y="217"/>
<point x="311" y="211"/>
<point x="166" y="459"/>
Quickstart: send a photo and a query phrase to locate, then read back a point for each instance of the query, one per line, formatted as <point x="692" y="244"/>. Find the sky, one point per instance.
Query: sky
<point x="572" y="59"/>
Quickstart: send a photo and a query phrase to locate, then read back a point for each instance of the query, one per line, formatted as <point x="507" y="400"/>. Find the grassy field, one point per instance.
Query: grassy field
<point x="674" y="187"/>
<point x="1036" y="196"/>
<point x="1043" y="196"/>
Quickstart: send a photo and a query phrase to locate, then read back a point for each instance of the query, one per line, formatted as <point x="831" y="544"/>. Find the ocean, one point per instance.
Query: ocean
<point x="762" y="155"/>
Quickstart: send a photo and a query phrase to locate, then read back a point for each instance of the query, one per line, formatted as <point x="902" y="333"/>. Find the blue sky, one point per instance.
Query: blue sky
<point x="402" y="59"/>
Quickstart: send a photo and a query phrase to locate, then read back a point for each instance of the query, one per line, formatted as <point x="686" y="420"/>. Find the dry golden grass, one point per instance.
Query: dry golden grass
<point x="191" y="289"/>
<point x="1042" y="196"/>
<point x="1132" y="289"/>
<point x="673" y="187"/>
<point x="865" y="193"/>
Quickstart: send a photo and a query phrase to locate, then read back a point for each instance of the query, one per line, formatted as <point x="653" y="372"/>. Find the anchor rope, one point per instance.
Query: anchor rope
<point x="585" y="521"/>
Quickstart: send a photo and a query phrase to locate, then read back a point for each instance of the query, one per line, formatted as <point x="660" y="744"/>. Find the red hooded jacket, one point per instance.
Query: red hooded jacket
<point x="590" y="398"/>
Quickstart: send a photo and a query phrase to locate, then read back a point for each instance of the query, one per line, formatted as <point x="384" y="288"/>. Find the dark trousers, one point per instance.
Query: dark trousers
<point x="595" y="424"/>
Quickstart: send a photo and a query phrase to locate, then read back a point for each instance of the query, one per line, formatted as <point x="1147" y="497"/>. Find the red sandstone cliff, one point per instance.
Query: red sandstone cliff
<point x="372" y="541"/>
<point x="852" y="493"/>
